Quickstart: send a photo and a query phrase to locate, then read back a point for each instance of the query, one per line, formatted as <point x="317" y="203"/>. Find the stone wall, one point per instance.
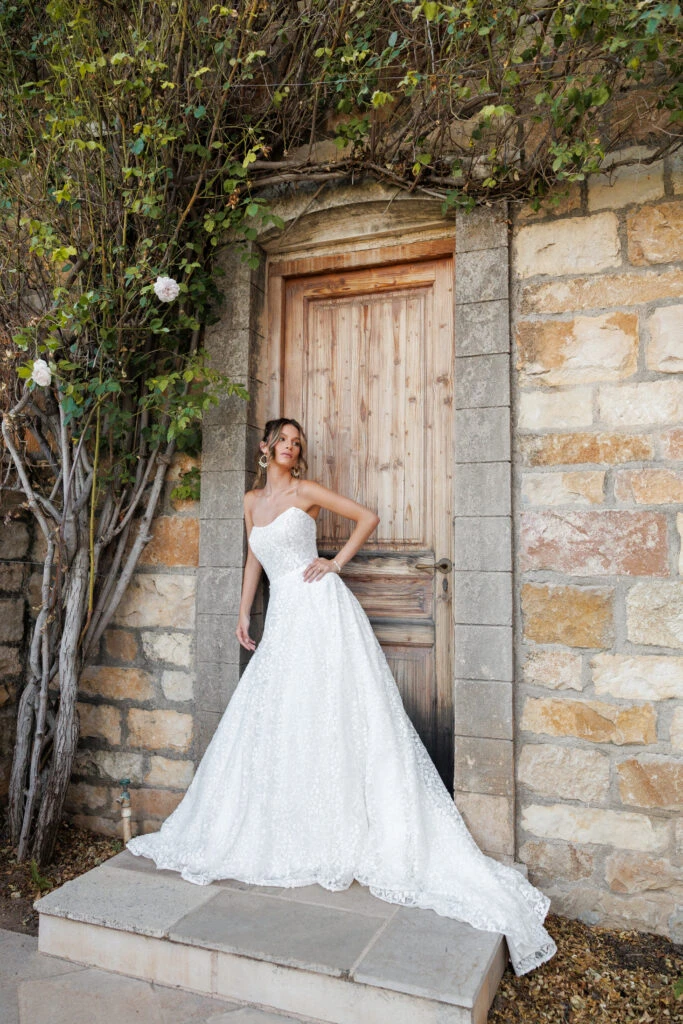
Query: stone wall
<point x="16" y="558"/>
<point x="597" y="321"/>
<point x="137" y="708"/>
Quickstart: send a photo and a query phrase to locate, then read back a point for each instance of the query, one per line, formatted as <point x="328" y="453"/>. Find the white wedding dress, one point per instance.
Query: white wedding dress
<point x="316" y="774"/>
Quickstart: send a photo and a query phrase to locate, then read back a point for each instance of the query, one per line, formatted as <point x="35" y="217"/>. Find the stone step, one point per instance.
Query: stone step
<point x="338" y="957"/>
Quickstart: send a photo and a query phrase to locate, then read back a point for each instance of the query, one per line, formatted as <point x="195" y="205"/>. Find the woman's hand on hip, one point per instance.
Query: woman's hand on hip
<point x="318" y="568"/>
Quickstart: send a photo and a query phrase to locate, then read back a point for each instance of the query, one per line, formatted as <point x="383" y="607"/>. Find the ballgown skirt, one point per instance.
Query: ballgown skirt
<point x="315" y="773"/>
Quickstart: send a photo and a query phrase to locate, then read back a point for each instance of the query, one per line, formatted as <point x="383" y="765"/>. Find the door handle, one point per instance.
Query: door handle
<point x="443" y="565"/>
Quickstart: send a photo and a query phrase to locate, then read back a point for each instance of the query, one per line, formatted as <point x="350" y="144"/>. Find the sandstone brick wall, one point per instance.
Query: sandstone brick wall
<point x="137" y="710"/>
<point x="597" y="321"/>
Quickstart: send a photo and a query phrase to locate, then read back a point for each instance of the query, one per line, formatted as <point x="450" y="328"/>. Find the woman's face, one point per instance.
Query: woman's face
<point x="287" y="447"/>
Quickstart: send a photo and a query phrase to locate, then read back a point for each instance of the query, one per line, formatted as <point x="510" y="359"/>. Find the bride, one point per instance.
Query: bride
<point x="315" y="773"/>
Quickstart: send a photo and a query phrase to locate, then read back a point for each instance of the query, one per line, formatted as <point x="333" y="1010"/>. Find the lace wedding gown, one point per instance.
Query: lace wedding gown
<point x="316" y="774"/>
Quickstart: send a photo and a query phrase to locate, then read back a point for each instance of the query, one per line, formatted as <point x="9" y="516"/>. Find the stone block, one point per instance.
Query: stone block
<point x="638" y="677"/>
<point x="216" y="638"/>
<point x="167" y="773"/>
<point x="224" y="446"/>
<point x="171" y="648"/>
<point x="482" y="228"/>
<point x="156" y="599"/>
<point x="206" y="723"/>
<point x="590" y="720"/>
<point x="567" y="773"/>
<point x="483" y="489"/>
<point x="483" y="598"/>
<point x="153" y="803"/>
<point x="84" y="796"/>
<point x="175" y="541"/>
<point x="559" y="353"/>
<point x="218" y="590"/>
<point x="483" y="708"/>
<point x="10" y="662"/>
<point x="215" y="684"/>
<point x="577" y="245"/>
<point x="655" y="234"/>
<point x="671" y="444"/>
<point x="11" y="577"/>
<point x="573" y="449"/>
<point x="639" y="872"/>
<point x="109" y="765"/>
<point x="679" y="529"/>
<point x="603" y="543"/>
<point x="482" y="435"/>
<point x="654" y="614"/>
<point x="553" y="669"/>
<point x="581" y="487"/>
<point x="482" y="328"/>
<point x="121" y="645"/>
<point x="14" y="540"/>
<point x="109" y="825"/>
<point x="222" y="495"/>
<point x="665" y="347"/>
<point x="489" y="819"/>
<point x="159" y="730"/>
<point x="555" y="410"/>
<point x="482" y="381"/>
<point x="483" y="543"/>
<point x="178" y="686"/>
<point x="581" y="293"/>
<point x="11" y="619"/>
<point x="651" y="782"/>
<point x="100" y="721"/>
<point x="649" y="403"/>
<point x="649" y="486"/>
<point x="676" y="732"/>
<point x="622" y="186"/>
<point x="484" y="765"/>
<point x="575" y="616"/>
<point x="222" y="543"/>
<point x="587" y="825"/>
<point x="550" y="862"/>
<point x="483" y="652"/>
<point x="481" y="275"/>
<point x="116" y="683"/>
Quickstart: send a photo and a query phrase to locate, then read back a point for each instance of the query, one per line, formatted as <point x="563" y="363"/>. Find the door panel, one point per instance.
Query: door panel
<point x="367" y="361"/>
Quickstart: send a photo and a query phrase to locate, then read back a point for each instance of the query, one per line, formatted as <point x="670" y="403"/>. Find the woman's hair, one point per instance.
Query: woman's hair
<point x="270" y="436"/>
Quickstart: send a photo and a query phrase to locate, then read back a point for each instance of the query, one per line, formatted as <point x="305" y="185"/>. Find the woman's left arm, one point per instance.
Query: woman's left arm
<point x="365" y="519"/>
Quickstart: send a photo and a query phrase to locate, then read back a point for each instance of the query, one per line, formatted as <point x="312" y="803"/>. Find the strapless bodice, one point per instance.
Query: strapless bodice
<point x="285" y="544"/>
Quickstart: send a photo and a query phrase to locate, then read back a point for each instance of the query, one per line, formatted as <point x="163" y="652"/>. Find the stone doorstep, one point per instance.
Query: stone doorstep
<point x="340" y="957"/>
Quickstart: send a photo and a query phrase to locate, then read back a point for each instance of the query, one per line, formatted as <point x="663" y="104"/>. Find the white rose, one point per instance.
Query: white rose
<point x="41" y="373"/>
<point x="166" y="289"/>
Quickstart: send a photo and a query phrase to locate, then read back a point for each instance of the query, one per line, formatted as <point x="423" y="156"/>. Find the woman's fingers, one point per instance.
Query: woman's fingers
<point x="316" y="570"/>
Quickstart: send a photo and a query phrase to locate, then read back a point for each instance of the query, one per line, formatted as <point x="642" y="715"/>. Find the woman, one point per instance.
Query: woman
<point x="315" y="773"/>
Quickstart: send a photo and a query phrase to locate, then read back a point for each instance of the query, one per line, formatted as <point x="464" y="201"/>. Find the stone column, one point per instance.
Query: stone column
<point x="229" y="443"/>
<point x="484" y="771"/>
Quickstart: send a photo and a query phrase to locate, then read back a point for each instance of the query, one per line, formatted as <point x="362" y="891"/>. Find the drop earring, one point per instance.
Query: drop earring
<point x="263" y="461"/>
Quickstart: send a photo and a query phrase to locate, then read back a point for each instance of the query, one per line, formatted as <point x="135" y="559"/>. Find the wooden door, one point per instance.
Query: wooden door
<point x="366" y="366"/>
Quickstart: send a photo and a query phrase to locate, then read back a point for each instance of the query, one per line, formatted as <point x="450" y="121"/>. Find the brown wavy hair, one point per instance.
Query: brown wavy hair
<point x="270" y="435"/>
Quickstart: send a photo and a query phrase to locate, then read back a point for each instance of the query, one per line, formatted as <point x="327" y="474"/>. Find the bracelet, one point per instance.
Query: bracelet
<point x="335" y="562"/>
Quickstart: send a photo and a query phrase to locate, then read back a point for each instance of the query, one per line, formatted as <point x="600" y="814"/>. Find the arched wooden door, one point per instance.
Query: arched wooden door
<point x="364" y="361"/>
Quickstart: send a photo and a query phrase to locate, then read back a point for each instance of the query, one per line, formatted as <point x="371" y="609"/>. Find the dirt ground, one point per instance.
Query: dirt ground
<point x="599" y="976"/>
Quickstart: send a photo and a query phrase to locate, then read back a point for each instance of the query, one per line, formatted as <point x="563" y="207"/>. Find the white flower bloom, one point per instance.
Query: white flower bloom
<point x="41" y="373"/>
<point x="166" y="289"/>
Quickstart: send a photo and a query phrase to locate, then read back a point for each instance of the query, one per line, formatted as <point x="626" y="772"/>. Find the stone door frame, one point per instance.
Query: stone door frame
<point x="350" y="220"/>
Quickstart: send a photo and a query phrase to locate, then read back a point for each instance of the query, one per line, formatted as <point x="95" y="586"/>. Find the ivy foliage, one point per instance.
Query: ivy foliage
<point x="138" y="138"/>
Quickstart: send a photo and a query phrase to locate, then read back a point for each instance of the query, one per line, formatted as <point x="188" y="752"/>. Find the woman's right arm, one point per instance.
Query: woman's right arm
<point x="250" y="582"/>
